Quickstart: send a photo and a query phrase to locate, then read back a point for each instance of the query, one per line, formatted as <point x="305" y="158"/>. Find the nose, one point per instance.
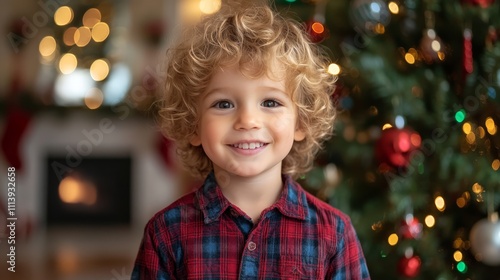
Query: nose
<point x="247" y="118"/>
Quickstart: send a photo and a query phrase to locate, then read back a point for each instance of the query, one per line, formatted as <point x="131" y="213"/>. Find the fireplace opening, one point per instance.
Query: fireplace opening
<point x="96" y="192"/>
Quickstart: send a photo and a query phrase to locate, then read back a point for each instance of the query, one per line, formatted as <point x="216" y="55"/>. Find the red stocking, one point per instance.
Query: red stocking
<point x="17" y="122"/>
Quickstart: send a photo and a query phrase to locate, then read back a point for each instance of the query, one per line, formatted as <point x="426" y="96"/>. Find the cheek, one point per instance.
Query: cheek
<point x="206" y="130"/>
<point x="284" y="124"/>
<point x="211" y="130"/>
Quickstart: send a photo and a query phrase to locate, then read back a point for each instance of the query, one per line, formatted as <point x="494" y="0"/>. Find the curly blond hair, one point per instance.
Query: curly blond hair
<point x="256" y="38"/>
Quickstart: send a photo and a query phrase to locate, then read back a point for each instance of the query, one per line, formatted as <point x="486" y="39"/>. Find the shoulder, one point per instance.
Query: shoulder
<point x="333" y="224"/>
<point x="325" y="213"/>
<point x="175" y="214"/>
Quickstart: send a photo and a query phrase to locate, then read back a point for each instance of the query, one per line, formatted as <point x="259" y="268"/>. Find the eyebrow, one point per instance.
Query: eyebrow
<point x="261" y="88"/>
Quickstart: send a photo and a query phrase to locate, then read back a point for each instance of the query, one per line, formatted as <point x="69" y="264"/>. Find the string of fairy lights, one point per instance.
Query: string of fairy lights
<point x="76" y="49"/>
<point x="373" y="17"/>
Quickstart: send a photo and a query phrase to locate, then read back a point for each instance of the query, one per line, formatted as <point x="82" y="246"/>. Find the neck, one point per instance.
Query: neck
<point x="251" y="194"/>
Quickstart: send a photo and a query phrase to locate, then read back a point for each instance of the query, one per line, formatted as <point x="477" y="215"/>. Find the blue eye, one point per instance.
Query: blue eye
<point x="271" y="103"/>
<point x="223" y="105"/>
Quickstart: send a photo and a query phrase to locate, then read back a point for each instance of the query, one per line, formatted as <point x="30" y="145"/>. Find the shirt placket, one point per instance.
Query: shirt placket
<point x="250" y="259"/>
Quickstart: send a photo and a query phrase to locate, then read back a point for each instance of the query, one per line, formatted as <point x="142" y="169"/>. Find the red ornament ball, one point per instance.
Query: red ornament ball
<point x="396" y="146"/>
<point x="317" y="31"/>
<point x="409" y="267"/>
<point x="411" y="229"/>
<point x="481" y="3"/>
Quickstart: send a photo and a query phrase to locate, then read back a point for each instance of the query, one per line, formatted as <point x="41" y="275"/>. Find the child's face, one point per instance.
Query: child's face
<point x="247" y="126"/>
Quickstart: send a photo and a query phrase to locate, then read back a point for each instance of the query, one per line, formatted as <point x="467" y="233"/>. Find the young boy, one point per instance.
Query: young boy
<point x="247" y="102"/>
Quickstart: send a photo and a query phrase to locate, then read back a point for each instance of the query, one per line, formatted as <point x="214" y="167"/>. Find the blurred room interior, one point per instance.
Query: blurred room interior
<point x="76" y="92"/>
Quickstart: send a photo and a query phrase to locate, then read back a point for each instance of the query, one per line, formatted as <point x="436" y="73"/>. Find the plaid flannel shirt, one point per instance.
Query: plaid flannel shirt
<point x="203" y="236"/>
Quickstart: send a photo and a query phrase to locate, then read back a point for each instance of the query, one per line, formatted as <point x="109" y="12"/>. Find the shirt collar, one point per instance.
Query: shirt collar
<point x="292" y="201"/>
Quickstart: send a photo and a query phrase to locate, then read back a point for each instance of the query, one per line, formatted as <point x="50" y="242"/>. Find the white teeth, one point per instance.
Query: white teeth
<point x="248" y="146"/>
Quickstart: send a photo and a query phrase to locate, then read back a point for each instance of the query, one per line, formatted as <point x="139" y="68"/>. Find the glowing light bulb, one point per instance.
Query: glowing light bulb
<point x="68" y="63"/>
<point x="334" y="69"/>
<point x="63" y="15"/>
<point x="209" y="6"/>
<point x="393" y="239"/>
<point x="99" y="70"/>
<point x="318" y="27"/>
<point x="430" y="221"/>
<point x="440" y="204"/>
<point x="47" y="46"/>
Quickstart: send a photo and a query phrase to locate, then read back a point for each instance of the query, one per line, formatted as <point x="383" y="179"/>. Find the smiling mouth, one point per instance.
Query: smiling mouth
<point x="248" y="146"/>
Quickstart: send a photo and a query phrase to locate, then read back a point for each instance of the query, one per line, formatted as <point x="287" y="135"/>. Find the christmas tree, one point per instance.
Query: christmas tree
<point x="415" y="156"/>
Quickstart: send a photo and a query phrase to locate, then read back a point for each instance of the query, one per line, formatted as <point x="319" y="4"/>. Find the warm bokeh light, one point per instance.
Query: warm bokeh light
<point x="481" y="132"/>
<point x="73" y="190"/>
<point x="430" y="221"/>
<point x="82" y="36"/>
<point x="91" y="17"/>
<point x="63" y="15"/>
<point x="461" y="202"/>
<point x="386" y="126"/>
<point x="458" y="256"/>
<point x="477" y="188"/>
<point x="68" y="63"/>
<point x="70" y="190"/>
<point x="410" y="58"/>
<point x="436" y="45"/>
<point x="440" y="204"/>
<point x="334" y="69"/>
<point x="379" y="28"/>
<point x="99" y="70"/>
<point x="393" y="239"/>
<point x="458" y="243"/>
<point x="490" y="126"/>
<point x="47" y="46"/>
<point x="377" y="226"/>
<point x="393" y="7"/>
<point x="495" y="164"/>
<point x="471" y="138"/>
<point x="415" y="139"/>
<point x="318" y="27"/>
<point x="209" y="6"/>
<point x="100" y="31"/>
<point x="413" y="51"/>
<point x="69" y="36"/>
<point x="489" y="123"/>
<point x="467" y="128"/>
<point x="441" y="55"/>
<point x="466" y="195"/>
<point x="94" y="99"/>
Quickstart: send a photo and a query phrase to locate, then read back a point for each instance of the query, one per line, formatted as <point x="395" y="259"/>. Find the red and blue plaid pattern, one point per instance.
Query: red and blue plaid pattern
<point x="203" y="236"/>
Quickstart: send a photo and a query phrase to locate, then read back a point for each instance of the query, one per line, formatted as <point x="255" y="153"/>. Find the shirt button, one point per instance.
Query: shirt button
<point x="251" y="246"/>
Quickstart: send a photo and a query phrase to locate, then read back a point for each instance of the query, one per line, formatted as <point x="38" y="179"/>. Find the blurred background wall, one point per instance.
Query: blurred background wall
<point x="77" y="82"/>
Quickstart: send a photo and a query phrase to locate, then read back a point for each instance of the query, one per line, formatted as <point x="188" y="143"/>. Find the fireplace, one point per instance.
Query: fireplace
<point x="96" y="191"/>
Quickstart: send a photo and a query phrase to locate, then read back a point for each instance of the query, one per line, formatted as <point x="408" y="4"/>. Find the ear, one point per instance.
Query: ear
<point x="299" y="135"/>
<point x="195" y="140"/>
